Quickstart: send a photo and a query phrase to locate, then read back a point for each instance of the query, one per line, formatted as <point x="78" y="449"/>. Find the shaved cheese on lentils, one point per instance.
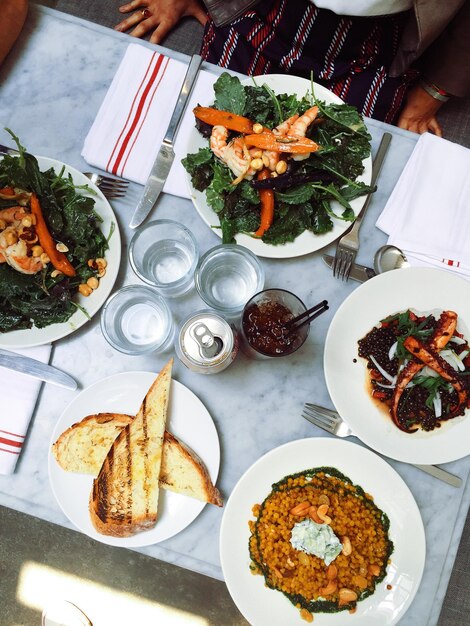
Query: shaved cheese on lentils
<point x="389" y="377"/>
<point x="453" y="359"/>
<point x="458" y="340"/>
<point x="437" y="403"/>
<point x="392" y="351"/>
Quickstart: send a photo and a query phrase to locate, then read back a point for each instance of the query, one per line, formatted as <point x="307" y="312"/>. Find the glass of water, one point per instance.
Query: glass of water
<point x="227" y="276"/>
<point x="137" y="320"/>
<point x="164" y="254"/>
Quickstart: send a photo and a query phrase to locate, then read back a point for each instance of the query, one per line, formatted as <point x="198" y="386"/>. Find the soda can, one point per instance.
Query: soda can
<point x="206" y="343"/>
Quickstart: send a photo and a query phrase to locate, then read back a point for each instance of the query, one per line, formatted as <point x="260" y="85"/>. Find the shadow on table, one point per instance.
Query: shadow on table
<point x="41" y="562"/>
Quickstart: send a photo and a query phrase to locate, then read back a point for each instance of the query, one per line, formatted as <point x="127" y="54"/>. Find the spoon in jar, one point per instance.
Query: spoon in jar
<point x="389" y="258"/>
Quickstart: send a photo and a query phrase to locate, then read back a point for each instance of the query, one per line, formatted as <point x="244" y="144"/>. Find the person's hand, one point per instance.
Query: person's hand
<point x="419" y="112"/>
<point x="161" y="16"/>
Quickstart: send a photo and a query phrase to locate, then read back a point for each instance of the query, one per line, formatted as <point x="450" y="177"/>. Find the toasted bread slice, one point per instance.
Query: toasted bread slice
<point x="124" y="498"/>
<point x="83" y="448"/>
<point x="183" y="471"/>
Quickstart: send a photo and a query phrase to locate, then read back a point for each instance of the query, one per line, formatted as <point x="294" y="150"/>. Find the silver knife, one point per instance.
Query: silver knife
<point x="166" y="154"/>
<point x="361" y="273"/>
<point x="36" y="369"/>
<point x="432" y="470"/>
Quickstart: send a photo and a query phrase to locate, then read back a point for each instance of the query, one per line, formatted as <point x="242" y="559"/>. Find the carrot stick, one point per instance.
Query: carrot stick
<point x="294" y="145"/>
<point x="58" y="259"/>
<point x="267" y="205"/>
<point x="214" y="117"/>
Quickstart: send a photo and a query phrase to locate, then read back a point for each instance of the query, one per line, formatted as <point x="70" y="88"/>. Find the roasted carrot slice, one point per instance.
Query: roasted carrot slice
<point x="214" y="117"/>
<point x="294" y="145"/>
<point x="58" y="259"/>
<point x="267" y="205"/>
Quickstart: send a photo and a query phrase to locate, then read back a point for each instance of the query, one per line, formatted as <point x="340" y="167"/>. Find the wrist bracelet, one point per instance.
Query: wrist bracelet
<point x="434" y="91"/>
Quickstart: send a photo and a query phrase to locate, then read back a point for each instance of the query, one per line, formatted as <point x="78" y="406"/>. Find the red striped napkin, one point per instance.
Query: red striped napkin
<point x="19" y="394"/>
<point x="428" y="212"/>
<point x="134" y="116"/>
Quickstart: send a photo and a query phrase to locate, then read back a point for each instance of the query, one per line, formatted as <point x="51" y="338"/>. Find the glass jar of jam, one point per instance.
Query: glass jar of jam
<point x="263" y="331"/>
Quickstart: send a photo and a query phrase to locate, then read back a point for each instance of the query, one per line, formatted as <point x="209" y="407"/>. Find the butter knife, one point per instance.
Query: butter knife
<point x="166" y="154"/>
<point x="31" y="367"/>
<point x="361" y="273"/>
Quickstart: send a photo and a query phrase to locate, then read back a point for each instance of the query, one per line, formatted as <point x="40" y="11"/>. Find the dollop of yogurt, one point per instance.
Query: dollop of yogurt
<point x="316" y="539"/>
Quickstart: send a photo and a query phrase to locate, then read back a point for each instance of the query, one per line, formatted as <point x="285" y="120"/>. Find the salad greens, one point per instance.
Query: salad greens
<point x="45" y="298"/>
<point x="303" y="195"/>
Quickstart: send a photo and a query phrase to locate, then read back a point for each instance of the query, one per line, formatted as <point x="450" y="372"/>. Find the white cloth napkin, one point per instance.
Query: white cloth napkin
<point x="428" y="212"/>
<point x="19" y="394"/>
<point x="134" y="116"/>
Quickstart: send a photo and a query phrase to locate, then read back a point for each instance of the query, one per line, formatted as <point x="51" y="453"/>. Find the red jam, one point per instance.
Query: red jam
<point x="263" y="325"/>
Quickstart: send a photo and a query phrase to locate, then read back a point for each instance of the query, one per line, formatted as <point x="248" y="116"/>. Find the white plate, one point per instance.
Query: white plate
<point x="307" y="242"/>
<point x="364" y="468"/>
<point x="188" y="419"/>
<point x="424" y="290"/>
<point x="39" y="336"/>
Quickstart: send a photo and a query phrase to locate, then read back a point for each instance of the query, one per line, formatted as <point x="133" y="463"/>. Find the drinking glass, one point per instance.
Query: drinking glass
<point x="227" y="276"/>
<point x="164" y="254"/>
<point x="262" y="335"/>
<point x="137" y="320"/>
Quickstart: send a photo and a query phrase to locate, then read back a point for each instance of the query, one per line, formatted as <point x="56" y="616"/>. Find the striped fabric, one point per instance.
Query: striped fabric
<point x="348" y="55"/>
<point x="137" y="114"/>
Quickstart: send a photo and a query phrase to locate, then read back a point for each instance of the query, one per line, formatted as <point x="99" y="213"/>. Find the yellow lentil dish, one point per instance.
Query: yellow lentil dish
<point x="325" y="496"/>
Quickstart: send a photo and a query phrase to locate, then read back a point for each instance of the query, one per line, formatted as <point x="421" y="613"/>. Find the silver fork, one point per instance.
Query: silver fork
<point x="333" y="423"/>
<point x="348" y="245"/>
<point x="111" y="187"/>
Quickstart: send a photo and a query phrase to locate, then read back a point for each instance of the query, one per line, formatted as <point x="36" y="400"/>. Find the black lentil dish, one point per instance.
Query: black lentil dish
<point x="328" y="498"/>
<point x="419" y="367"/>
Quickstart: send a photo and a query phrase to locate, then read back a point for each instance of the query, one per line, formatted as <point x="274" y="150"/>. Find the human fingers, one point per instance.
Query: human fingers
<point x="136" y="18"/>
<point x="144" y="27"/>
<point x="130" y="6"/>
<point x="162" y="30"/>
<point x="199" y="13"/>
<point x="435" y="127"/>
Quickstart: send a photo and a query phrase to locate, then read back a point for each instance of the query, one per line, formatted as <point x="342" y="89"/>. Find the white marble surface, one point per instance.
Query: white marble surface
<point x="50" y="90"/>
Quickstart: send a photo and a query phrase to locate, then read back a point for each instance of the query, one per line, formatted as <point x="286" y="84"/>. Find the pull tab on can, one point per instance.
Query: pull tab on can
<point x="206" y="343"/>
<point x="209" y="345"/>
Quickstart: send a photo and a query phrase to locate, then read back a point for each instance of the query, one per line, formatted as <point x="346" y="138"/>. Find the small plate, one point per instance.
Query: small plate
<point x="306" y="242"/>
<point x="425" y="290"/>
<point x="385" y="606"/>
<point x="188" y="419"/>
<point x="30" y="337"/>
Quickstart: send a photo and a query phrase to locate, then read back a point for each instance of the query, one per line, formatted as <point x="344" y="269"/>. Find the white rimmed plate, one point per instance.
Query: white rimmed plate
<point x="425" y="290"/>
<point x="38" y="336"/>
<point x="188" y="419"/>
<point x="261" y="605"/>
<point x="306" y="242"/>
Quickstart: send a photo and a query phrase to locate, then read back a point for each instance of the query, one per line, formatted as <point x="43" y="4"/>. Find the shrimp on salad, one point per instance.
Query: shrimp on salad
<point x="18" y="239"/>
<point x="243" y="159"/>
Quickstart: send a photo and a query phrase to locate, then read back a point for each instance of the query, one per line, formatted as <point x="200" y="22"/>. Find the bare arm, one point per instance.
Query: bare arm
<point x="163" y="15"/>
<point x="13" y="16"/>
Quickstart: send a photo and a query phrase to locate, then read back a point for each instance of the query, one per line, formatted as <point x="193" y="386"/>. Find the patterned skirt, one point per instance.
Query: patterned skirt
<point x="348" y="55"/>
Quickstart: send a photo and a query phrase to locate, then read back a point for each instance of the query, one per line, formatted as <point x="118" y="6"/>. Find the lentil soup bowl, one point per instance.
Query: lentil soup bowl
<point x="324" y="464"/>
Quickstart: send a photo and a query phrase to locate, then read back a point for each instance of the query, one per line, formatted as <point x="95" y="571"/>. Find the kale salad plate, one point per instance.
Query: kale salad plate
<point x="60" y="250"/>
<point x="277" y="164"/>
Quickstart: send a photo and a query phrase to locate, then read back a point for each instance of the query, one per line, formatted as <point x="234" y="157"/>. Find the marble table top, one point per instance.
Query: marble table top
<point x="50" y="90"/>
